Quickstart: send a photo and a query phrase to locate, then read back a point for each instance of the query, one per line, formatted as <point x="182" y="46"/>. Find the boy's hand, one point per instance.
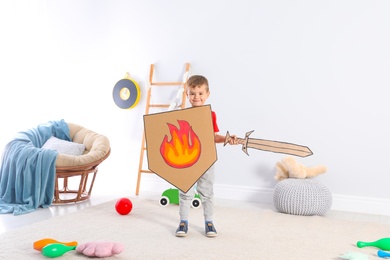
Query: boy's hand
<point x="233" y="140"/>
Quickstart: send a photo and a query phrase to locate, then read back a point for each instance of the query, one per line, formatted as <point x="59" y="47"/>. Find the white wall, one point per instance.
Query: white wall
<point x="307" y="72"/>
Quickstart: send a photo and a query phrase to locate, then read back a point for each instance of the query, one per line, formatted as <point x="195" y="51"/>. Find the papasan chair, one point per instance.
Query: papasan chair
<point x="97" y="149"/>
<point x="53" y="163"/>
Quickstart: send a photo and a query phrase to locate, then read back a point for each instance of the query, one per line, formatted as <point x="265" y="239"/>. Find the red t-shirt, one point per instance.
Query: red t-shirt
<point x="214" y="116"/>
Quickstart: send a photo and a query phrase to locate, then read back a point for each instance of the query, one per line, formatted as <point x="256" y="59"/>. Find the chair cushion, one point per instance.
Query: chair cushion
<point x="62" y="146"/>
<point x="97" y="146"/>
<point x="304" y="197"/>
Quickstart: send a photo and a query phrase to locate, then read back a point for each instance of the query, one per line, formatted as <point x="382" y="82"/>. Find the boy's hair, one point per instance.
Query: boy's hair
<point x="197" y="81"/>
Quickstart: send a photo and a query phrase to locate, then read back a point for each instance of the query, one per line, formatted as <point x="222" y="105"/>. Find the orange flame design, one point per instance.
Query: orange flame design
<point x="184" y="148"/>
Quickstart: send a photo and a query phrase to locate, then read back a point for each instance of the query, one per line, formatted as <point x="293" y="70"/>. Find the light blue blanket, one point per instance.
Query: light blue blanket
<point x="27" y="172"/>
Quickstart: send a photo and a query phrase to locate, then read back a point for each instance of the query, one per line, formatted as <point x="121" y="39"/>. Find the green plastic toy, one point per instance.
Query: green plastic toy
<point x="171" y="196"/>
<point x="383" y="243"/>
<point x="55" y="250"/>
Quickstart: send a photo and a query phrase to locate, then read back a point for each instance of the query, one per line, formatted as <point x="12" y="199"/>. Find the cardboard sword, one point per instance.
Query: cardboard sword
<point x="270" y="146"/>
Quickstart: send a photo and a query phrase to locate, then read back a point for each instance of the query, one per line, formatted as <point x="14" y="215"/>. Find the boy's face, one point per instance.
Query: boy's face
<point x="198" y="95"/>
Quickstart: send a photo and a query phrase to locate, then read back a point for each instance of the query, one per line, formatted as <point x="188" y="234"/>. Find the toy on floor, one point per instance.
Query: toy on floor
<point x="383" y="243"/>
<point x="354" y="256"/>
<point x="171" y="196"/>
<point x="100" y="249"/>
<point x="383" y="254"/>
<point x="39" y="244"/>
<point x="123" y="206"/>
<point x="290" y="168"/>
<point x="55" y="250"/>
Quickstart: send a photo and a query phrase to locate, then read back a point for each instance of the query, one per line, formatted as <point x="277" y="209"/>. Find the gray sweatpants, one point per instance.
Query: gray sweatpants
<point x="204" y="187"/>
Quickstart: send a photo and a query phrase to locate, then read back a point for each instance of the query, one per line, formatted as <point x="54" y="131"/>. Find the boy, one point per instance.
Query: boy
<point x="197" y="93"/>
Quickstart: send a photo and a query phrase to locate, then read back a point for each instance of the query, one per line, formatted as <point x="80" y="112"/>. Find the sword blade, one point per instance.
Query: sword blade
<point x="279" y="147"/>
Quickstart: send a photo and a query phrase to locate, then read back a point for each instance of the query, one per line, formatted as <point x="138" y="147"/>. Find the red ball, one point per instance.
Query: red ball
<point x="123" y="206"/>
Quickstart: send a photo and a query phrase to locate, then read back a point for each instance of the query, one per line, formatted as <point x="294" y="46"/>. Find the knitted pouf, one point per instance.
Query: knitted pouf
<point x="303" y="197"/>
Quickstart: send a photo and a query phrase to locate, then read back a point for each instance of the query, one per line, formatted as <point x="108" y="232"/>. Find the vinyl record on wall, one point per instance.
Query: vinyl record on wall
<point x="126" y="93"/>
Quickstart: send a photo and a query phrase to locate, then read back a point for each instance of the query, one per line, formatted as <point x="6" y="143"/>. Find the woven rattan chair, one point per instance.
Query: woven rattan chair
<point x="77" y="173"/>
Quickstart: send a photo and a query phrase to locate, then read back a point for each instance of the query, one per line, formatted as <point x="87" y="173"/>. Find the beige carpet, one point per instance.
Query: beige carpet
<point x="148" y="233"/>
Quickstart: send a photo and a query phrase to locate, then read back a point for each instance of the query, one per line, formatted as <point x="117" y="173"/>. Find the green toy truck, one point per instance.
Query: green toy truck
<point x="171" y="196"/>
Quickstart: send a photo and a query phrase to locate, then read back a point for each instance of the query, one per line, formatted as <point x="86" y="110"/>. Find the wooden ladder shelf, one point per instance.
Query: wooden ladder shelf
<point x="149" y="105"/>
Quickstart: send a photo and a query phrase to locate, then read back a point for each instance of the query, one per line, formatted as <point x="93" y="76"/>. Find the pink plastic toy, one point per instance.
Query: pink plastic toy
<point x="100" y="249"/>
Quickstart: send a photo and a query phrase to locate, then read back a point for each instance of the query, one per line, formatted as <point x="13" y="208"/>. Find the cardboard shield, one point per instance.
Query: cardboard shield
<point x="180" y="145"/>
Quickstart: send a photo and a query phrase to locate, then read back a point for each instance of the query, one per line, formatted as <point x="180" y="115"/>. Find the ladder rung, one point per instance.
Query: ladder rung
<point x="166" y="83"/>
<point x="146" y="171"/>
<point x="159" y="105"/>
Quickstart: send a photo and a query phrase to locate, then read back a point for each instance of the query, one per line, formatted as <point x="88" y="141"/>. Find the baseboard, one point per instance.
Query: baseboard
<point x="377" y="206"/>
<point x="368" y="205"/>
<point x="340" y="202"/>
<point x="244" y="193"/>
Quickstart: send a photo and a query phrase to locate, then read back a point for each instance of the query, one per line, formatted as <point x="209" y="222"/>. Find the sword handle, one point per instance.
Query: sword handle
<point x="239" y="140"/>
<point x="242" y="141"/>
<point x="227" y="138"/>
